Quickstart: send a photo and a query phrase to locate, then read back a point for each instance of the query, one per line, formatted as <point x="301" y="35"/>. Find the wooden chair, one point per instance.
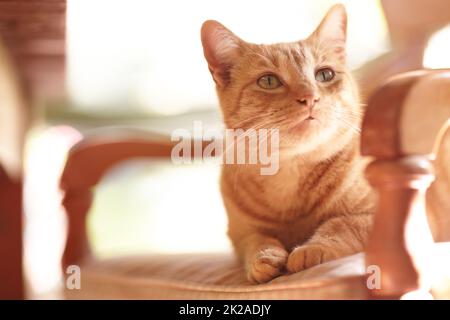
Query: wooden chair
<point x="403" y="126"/>
<point x="12" y="130"/>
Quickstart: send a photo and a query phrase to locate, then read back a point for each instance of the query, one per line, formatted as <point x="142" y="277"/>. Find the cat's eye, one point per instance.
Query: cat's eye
<point x="325" y="75"/>
<point x="269" y="81"/>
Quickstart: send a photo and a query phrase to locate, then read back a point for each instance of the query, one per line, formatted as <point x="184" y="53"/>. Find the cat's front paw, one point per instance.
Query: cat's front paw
<point x="309" y="255"/>
<point x="267" y="264"/>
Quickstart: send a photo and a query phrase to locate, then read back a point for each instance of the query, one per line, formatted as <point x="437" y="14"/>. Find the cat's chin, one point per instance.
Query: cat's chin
<point x="304" y="126"/>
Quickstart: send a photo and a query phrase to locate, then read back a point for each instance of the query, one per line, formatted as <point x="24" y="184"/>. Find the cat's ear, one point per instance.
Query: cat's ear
<point x="333" y="28"/>
<point x="221" y="48"/>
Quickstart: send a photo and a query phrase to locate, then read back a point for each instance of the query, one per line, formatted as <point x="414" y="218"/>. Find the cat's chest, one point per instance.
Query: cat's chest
<point x="283" y="189"/>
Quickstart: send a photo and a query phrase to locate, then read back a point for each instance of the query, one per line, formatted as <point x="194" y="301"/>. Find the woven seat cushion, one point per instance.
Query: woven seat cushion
<point x="220" y="276"/>
<point x="214" y="276"/>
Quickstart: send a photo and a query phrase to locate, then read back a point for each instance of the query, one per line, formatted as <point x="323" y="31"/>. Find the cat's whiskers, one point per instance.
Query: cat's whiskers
<point x="243" y="135"/>
<point x="348" y="118"/>
<point x="349" y="125"/>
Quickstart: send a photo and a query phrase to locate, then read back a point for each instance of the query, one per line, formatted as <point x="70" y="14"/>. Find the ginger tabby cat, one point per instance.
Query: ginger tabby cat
<point x="318" y="206"/>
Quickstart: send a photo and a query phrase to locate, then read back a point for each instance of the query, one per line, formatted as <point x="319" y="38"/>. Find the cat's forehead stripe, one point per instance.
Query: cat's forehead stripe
<point x="290" y="55"/>
<point x="284" y="55"/>
<point x="263" y="56"/>
<point x="298" y="61"/>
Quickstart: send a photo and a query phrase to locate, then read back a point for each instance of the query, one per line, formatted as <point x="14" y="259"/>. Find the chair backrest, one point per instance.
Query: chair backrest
<point x="12" y="129"/>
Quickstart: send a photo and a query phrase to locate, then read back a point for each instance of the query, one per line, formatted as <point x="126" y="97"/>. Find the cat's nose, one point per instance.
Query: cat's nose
<point x="308" y="100"/>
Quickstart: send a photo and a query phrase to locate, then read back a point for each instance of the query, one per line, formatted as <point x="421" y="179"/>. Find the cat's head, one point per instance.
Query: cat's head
<point x="302" y="88"/>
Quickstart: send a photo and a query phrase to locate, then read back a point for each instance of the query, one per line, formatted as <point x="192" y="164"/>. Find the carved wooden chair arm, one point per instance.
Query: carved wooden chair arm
<point x="87" y="163"/>
<point x="402" y="128"/>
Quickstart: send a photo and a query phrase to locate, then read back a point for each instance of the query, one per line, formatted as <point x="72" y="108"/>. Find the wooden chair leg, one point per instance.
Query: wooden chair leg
<point x="11" y="277"/>
<point x="401" y="185"/>
<point x="78" y="203"/>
